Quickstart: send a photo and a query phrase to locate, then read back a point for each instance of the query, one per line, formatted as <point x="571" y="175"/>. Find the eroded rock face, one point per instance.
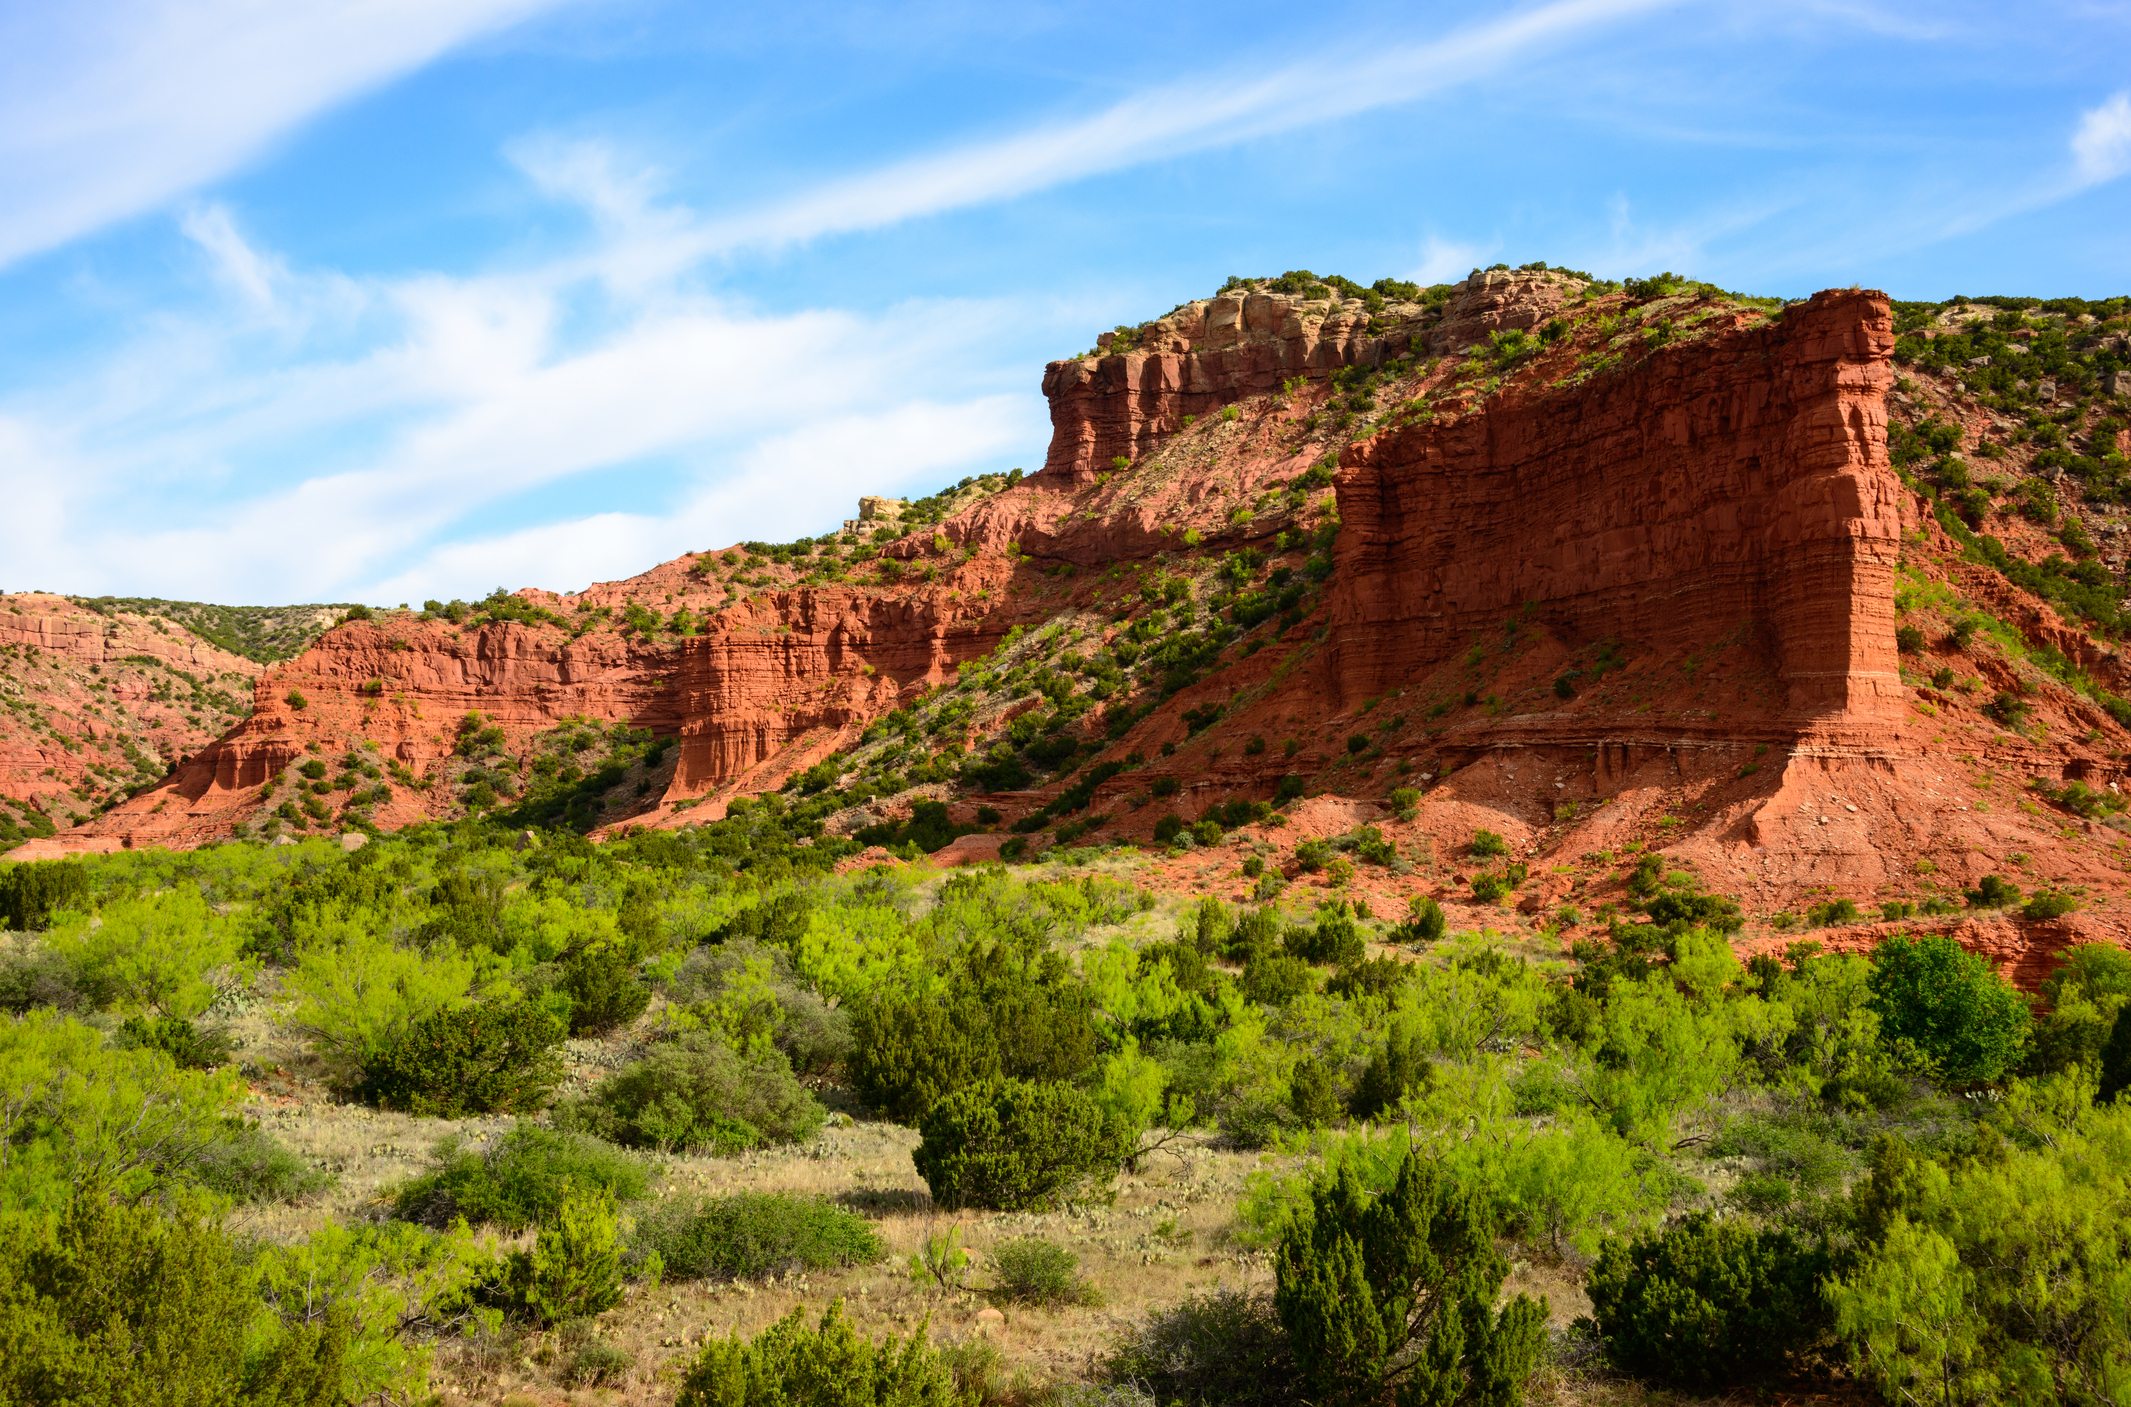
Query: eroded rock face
<point x="1214" y="352"/>
<point x="122" y="694"/>
<point x="1743" y="481"/>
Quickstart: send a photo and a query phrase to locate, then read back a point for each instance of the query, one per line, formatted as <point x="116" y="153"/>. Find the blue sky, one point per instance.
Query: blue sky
<point x="386" y="299"/>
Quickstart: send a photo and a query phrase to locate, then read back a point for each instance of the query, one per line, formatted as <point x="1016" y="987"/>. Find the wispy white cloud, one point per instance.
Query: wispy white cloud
<point x="1445" y="261"/>
<point x="1194" y="115"/>
<point x="108" y="110"/>
<point x="2101" y="148"/>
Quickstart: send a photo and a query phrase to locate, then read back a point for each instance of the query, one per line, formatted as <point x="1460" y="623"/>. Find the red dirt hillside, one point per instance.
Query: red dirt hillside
<point x="1599" y="572"/>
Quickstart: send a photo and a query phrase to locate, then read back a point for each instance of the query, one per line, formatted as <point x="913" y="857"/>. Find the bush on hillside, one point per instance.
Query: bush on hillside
<point x="1950" y="1005"/>
<point x="248" y="1164"/>
<point x="122" y="1304"/>
<point x="1032" y="1270"/>
<point x="603" y="989"/>
<point x="1707" y="1304"/>
<point x="790" y="1365"/>
<point x="698" y="1095"/>
<point x="31" y="893"/>
<point x="520" y="1180"/>
<point x="1395" y="1292"/>
<point x="1223" y="1348"/>
<point x="493" y="1057"/>
<point x="752" y="1234"/>
<point x="1009" y="1145"/>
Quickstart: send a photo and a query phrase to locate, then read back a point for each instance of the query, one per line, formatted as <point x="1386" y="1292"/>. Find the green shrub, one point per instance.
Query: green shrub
<point x="2048" y="904"/>
<point x="752" y="1234"/>
<point x="119" y="1304"/>
<point x="1394" y="1293"/>
<point x="1490" y="888"/>
<point x="1486" y="845"/>
<point x="596" y="1364"/>
<point x="1909" y="640"/>
<point x="519" y="1181"/>
<point x="1707" y="1304"/>
<point x="1995" y="892"/>
<point x="910" y="1052"/>
<point x="1031" y="1270"/>
<point x="1831" y="913"/>
<point x="31" y="893"/>
<point x="1400" y="1068"/>
<point x="1009" y="1145"/>
<point x="187" y="1044"/>
<point x="697" y="1094"/>
<point x="1406" y="801"/>
<point x="494" y="1057"/>
<point x="1335" y="939"/>
<point x="790" y="1365"/>
<point x="1424" y="923"/>
<point x="248" y="1164"/>
<point x="1274" y="979"/>
<point x="603" y="989"/>
<point x="1167" y="829"/>
<point x="574" y="1269"/>
<point x="1950" y="1005"/>
<point x="1224" y="1348"/>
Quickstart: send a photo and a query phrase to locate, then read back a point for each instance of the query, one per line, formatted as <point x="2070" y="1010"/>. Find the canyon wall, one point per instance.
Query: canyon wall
<point x="1214" y="352"/>
<point x="1741" y="479"/>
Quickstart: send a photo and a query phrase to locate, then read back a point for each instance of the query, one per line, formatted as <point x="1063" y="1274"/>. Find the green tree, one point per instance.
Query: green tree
<point x="496" y="1056"/>
<point x="1013" y="1144"/>
<point x="1390" y="1298"/>
<point x="153" y="953"/>
<point x="1707" y="1304"/>
<point x="120" y="1304"/>
<point x="1951" y="1006"/>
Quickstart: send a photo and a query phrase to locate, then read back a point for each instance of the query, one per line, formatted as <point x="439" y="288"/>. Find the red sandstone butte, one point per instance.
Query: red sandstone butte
<point x="1634" y="588"/>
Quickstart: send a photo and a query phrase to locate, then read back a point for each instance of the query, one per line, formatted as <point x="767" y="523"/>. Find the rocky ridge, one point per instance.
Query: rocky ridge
<point x="1599" y="571"/>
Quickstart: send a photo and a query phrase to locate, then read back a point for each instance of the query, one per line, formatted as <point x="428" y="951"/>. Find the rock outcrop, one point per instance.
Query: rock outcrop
<point x="1627" y="584"/>
<point x="1214" y="352"/>
<point x="97" y="702"/>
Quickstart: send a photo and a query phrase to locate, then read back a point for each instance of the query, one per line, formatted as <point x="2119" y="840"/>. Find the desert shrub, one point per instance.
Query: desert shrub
<point x="248" y="1164"/>
<point x="1212" y="1350"/>
<point x="1707" y="1304"/>
<point x="752" y="1234"/>
<point x="1167" y="829"/>
<point x="1909" y="640"/>
<point x="33" y="975"/>
<point x="603" y="989"/>
<point x="1424" y="923"/>
<point x="698" y="1094"/>
<point x="1994" y="892"/>
<point x="519" y="1181"/>
<point x="1335" y="939"/>
<point x="596" y="1363"/>
<point x="574" y="1269"/>
<point x="1406" y="801"/>
<point x="1274" y="979"/>
<point x="911" y="1052"/>
<point x="154" y="953"/>
<point x="746" y="989"/>
<point x="1400" y="1068"/>
<point x="2048" y="904"/>
<point x="790" y="1365"/>
<point x="1950" y="1005"/>
<point x="1393" y="1294"/>
<point x="32" y="892"/>
<point x="1486" y="845"/>
<point x="1013" y="1144"/>
<point x="120" y="1304"/>
<point x="1490" y="888"/>
<point x="1032" y="1270"/>
<point x="1831" y="913"/>
<point x="496" y="1056"/>
<point x="189" y="1045"/>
